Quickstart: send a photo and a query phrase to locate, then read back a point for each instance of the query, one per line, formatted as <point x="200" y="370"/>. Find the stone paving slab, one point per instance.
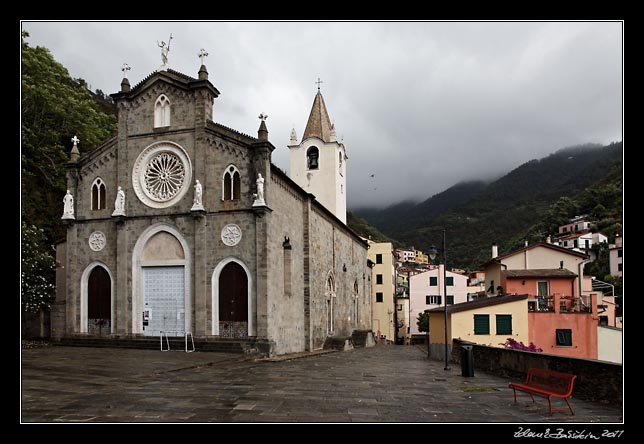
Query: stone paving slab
<point x="386" y="383"/>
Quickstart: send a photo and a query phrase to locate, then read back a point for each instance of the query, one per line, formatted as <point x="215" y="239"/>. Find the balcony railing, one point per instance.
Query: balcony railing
<point x="567" y="304"/>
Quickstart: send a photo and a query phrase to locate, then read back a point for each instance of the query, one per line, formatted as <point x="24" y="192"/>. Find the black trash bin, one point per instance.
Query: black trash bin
<point x="467" y="360"/>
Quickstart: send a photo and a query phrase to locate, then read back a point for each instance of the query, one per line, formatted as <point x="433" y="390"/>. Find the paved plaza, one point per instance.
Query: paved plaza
<point x="386" y="383"/>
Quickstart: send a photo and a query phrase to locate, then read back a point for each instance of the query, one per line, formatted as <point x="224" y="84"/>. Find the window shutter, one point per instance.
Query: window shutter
<point x="503" y="324"/>
<point x="433" y="281"/>
<point x="481" y="324"/>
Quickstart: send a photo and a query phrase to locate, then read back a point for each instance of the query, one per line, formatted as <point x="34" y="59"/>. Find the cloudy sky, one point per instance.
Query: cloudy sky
<point x="420" y="105"/>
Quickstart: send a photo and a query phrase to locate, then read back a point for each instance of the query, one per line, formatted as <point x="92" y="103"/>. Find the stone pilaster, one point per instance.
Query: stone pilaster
<point x="200" y="287"/>
<point x="73" y="278"/>
<point x="262" y="219"/>
<point x="122" y="289"/>
<point x="306" y="266"/>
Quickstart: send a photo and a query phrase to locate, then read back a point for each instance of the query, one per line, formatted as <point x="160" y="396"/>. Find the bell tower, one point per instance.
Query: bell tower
<point x="319" y="161"/>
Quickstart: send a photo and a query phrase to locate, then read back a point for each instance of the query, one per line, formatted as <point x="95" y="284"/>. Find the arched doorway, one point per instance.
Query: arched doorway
<point x="161" y="298"/>
<point x="233" y="301"/>
<point x="99" y="302"/>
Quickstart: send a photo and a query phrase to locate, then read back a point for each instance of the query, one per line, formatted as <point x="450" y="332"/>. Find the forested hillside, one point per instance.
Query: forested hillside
<point x="527" y="203"/>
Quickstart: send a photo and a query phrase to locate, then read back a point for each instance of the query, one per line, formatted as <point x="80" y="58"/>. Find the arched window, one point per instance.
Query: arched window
<point x="162" y="112"/>
<point x="312" y="158"/>
<point x="356" y="299"/>
<point x="231" y="183"/>
<point x="330" y="296"/>
<point x="98" y="195"/>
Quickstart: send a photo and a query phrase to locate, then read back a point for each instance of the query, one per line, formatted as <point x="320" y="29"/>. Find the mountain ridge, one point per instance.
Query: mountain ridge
<point x="475" y="214"/>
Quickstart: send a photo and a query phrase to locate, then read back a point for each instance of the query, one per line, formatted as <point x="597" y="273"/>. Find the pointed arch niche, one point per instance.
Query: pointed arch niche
<point x="231" y="183"/>
<point x="330" y="293"/>
<point x="162" y="111"/>
<point x="98" y="195"/>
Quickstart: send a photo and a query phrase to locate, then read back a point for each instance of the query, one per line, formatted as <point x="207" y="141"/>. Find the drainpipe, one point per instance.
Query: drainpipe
<point x="500" y="272"/>
<point x="580" y="273"/>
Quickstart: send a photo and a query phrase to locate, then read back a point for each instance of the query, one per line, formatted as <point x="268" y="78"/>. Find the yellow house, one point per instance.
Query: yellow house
<point x="383" y="289"/>
<point x="420" y="257"/>
<point x="487" y="321"/>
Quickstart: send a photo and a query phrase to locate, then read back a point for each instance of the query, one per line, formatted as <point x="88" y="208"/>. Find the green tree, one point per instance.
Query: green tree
<point x="37" y="271"/>
<point x="54" y="109"/>
<point x="423" y="322"/>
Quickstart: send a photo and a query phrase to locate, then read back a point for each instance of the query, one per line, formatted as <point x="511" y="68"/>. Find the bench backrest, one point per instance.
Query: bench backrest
<point x="556" y="382"/>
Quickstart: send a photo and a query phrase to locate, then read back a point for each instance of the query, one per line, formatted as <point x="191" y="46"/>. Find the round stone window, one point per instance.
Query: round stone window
<point x="97" y="240"/>
<point x="162" y="174"/>
<point x="231" y="234"/>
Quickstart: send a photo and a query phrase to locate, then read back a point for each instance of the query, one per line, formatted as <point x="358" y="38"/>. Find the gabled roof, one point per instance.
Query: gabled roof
<point x="319" y="124"/>
<point x="540" y="272"/>
<point x="479" y="303"/>
<point x="530" y="247"/>
<point x="171" y="76"/>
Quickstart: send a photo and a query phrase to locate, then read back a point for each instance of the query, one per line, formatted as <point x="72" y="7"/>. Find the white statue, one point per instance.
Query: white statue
<point x="198" y="200"/>
<point x="259" y="197"/>
<point x="165" y="49"/>
<point x="68" y="206"/>
<point x="119" y="203"/>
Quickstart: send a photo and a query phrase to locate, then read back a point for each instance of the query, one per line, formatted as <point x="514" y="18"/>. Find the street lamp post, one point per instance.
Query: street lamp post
<point x="432" y="254"/>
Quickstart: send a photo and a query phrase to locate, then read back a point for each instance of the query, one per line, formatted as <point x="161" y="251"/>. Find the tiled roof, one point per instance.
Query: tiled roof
<point x="319" y="124"/>
<point x="529" y="247"/>
<point x="541" y="272"/>
<point x="479" y="303"/>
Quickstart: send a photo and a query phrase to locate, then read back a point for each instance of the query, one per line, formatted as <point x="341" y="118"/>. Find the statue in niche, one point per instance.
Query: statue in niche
<point x="198" y="199"/>
<point x="119" y="203"/>
<point x="68" y="206"/>
<point x="259" y="197"/>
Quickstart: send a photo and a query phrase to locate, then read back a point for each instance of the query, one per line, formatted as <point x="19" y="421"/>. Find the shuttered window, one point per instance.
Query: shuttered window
<point x="449" y="280"/>
<point x="481" y="324"/>
<point x="503" y="324"/>
<point x="449" y="299"/>
<point x="433" y="281"/>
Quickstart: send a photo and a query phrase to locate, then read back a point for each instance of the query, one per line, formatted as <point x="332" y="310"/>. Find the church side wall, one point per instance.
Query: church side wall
<point x="285" y="306"/>
<point x="331" y="250"/>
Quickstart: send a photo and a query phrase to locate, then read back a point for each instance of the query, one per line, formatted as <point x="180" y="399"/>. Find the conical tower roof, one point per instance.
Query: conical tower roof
<point x="319" y="124"/>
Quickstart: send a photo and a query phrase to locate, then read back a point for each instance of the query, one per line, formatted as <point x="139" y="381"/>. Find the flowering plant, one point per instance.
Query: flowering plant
<point x="513" y="344"/>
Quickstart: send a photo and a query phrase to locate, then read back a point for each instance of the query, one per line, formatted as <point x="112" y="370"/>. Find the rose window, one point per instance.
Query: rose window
<point x="164" y="176"/>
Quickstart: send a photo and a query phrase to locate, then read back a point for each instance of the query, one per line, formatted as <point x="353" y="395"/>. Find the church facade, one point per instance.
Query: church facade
<point x="180" y="224"/>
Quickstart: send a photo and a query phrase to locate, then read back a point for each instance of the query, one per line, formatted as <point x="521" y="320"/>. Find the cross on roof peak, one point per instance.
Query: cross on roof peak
<point x="75" y="140"/>
<point x="318" y="82"/>
<point x="202" y="55"/>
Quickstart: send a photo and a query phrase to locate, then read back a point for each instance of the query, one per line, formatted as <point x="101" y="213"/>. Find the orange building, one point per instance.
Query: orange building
<point x="566" y="329"/>
<point x="559" y="321"/>
<point x="562" y="317"/>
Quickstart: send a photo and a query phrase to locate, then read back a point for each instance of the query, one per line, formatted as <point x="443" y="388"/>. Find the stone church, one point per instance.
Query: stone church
<point x="179" y="224"/>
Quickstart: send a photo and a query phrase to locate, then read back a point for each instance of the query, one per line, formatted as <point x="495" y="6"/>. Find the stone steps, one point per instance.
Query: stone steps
<point x="241" y="346"/>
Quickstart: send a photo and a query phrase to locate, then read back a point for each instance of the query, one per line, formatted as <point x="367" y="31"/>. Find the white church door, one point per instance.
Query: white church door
<point x="163" y="300"/>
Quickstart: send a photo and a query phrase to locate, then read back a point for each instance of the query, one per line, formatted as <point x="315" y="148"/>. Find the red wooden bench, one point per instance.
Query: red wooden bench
<point x="547" y="384"/>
